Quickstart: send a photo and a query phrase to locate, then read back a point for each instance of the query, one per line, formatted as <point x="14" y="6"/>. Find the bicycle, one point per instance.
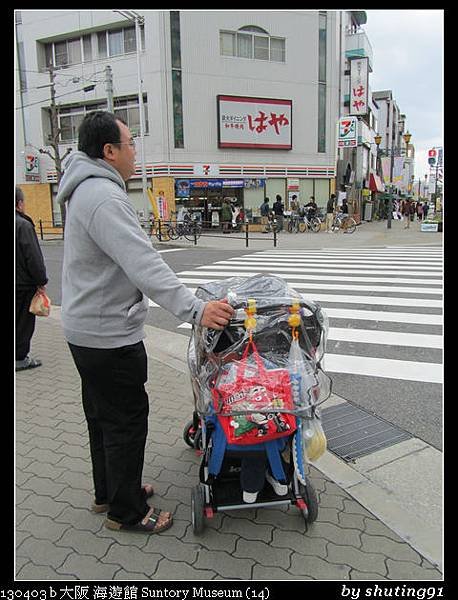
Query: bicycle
<point x="293" y="224"/>
<point x="189" y="229"/>
<point x="344" y="222"/>
<point x="314" y="223"/>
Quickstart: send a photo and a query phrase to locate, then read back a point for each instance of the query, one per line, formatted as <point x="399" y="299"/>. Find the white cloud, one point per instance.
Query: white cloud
<point x="408" y="59"/>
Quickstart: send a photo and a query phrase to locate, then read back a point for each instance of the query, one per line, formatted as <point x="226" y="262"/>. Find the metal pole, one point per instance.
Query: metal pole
<point x="246" y="233"/>
<point x="109" y="88"/>
<point x="141" y="111"/>
<point x="41" y="229"/>
<point x="390" y="200"/>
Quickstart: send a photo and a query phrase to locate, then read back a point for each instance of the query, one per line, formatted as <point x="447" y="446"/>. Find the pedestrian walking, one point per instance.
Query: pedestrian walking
<point x="30" y="277"/>
<point x="226" y="215"/>
<point x="110" y="269"/>
<point x="406" y="213"/>
<point x="278" y="208"/>
<point x="425" y="210"/>
<point x="265" y="209"/>
<point x="330" y="209"/>
<point x="419" y="209"/>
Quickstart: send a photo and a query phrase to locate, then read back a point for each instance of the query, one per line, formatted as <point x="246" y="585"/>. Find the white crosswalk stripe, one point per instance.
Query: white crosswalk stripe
<point x="394" y="294"/>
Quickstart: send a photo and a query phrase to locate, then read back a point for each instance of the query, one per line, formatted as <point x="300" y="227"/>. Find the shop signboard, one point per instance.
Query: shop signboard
<point x="359" y="86"/>
<point x="201" y="170"/>
<point x="348" y="132"/>
<point x="182" y="187"/>
<point x="254" y="183"/>
<point x="32" y="171"/>
<point x="246" y="122"/>
<point x="433" y="227"/>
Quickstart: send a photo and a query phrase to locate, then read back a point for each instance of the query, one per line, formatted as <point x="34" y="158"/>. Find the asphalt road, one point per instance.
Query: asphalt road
<point x="411" y="405"/>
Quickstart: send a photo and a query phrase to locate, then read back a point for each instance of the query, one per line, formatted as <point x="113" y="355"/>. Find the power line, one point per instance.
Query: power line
<point x="46" y="100"/>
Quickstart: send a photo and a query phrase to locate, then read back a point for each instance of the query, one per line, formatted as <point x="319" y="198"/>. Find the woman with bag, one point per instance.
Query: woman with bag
<point x="30" y="278"/>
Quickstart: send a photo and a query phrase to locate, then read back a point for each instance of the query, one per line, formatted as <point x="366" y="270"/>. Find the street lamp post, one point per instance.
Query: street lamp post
<point x="378" y="171"/>
<point x="392" y="153"/>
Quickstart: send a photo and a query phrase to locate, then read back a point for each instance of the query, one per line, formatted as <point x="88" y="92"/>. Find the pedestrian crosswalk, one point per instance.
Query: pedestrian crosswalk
<point x="384" y="304"/>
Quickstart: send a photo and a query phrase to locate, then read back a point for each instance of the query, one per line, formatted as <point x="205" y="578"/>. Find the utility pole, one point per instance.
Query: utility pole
<point x="109" y="88"/>
<point x="54" y="137"/>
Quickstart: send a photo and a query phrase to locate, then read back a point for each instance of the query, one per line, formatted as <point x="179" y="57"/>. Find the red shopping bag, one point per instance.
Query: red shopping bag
<point x="261" y="395"/>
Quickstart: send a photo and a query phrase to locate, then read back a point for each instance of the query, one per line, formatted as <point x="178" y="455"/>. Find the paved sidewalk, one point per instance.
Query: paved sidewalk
<point x="367" y="234"/>
<point x="57" y="537"/>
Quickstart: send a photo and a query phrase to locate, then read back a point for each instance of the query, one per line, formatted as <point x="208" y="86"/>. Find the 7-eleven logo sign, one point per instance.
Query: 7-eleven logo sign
<point x="347" y="132"/>
<point x="206" y="170"/>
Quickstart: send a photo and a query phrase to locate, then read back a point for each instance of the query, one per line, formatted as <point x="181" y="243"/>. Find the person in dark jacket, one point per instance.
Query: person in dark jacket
<point x="30" y="276"/>
<point x="278" y="211"/>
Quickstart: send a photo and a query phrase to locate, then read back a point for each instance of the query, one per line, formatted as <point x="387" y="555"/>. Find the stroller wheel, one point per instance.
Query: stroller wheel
<point x="189" y="434"/>
<point x="308" y="493"/>
<point x="197" y="509"/>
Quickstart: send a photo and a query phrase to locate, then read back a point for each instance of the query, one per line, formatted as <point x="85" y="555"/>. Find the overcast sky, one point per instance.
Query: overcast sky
<point x="407" y="50"/>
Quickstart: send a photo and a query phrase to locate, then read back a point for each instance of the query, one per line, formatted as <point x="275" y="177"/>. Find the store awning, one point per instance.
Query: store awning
<point x="376" y="184"/>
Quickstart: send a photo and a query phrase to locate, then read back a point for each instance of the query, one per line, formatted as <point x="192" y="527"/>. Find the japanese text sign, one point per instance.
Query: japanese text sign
<point x="359" y="86"/>
<point x="254" y="123"/>
<point x="348" y="132"/>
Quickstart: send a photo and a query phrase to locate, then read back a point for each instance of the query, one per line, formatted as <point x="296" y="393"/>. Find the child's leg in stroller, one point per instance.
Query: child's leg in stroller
<point x="252" y="474"/>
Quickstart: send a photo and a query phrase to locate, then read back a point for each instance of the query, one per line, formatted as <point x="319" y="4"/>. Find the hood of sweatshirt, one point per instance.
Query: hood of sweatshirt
<point x="80" y="167"/>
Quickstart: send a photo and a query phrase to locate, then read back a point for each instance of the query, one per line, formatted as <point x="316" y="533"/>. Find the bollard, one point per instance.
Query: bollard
<point x="246" y="233"/>
<point x="41" y="229"/>
<point x="195" y="233"/>
<point x="160" y="230"/>
<point x="275" y="236"/>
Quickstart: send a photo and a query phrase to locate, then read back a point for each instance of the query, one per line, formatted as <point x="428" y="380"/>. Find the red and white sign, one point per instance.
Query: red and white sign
<point x="348" y="132"/>
<point x="245" y="122"/>
<point x="359" y="86"/>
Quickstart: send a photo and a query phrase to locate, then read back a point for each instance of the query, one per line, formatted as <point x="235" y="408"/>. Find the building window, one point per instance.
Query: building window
<point x="322" y="43"/>
<point x="177" y="92"/>
<point x="74" y="51"/>
<point x="70" y="117"/>
<point x="252" y="42"/>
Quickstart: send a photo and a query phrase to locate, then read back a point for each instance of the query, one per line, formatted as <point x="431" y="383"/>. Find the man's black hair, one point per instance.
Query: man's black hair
<point x="97" y="129"/>
<point x="19" y="195"/>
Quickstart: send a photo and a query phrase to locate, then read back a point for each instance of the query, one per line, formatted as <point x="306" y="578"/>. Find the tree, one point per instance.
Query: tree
<point x="54" y="138"/>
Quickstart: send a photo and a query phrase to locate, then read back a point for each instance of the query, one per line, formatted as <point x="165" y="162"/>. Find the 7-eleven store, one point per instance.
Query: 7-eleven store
<point x="200" y="189"/>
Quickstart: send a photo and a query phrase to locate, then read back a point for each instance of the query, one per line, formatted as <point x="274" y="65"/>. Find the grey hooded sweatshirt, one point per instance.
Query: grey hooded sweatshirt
<point x="110" y="268"/>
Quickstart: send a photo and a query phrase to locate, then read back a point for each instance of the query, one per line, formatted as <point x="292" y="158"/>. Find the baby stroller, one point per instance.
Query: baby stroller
<point x="257" y="385"/>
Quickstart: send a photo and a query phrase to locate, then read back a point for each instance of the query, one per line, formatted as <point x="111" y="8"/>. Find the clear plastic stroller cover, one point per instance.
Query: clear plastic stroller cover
<point x="297" y="345"/>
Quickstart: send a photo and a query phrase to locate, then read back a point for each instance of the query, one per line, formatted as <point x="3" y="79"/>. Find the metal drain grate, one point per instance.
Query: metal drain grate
<point x="352" y="432"/>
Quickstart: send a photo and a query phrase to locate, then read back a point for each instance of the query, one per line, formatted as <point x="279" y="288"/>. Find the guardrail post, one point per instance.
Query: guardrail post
<point x="246" y="233"/>
<point x="41" y="229"/>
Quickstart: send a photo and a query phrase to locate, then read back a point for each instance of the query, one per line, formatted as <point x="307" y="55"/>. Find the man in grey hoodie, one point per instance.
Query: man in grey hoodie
<point x="110" y="270"/>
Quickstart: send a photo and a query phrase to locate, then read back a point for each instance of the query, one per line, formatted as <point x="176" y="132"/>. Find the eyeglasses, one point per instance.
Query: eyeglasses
<point x="129" y="143"/>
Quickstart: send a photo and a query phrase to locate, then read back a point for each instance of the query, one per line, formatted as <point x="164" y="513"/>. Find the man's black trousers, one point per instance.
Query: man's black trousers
<point x="25" y="321"/>
<point x="116" y="407"/>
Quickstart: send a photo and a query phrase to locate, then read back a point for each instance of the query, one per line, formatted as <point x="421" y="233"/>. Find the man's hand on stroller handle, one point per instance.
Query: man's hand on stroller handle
<point x="216" y="314"/>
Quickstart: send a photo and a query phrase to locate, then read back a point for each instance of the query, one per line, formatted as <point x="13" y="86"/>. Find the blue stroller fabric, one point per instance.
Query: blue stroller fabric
<point x="272" y="448"/>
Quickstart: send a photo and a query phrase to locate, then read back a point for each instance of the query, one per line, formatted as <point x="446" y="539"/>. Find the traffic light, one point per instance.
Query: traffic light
<point x="432" y="156"/>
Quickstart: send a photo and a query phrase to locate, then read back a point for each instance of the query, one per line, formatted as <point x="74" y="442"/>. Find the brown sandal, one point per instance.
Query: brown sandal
<point x="151" y="523"/>
<point x="103" y="508"/>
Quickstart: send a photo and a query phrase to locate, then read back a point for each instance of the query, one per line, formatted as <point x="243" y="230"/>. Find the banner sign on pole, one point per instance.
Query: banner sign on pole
<point x="386" y="165"/>
<point x="398" y="167"/>
<point x="359" y="86"/>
